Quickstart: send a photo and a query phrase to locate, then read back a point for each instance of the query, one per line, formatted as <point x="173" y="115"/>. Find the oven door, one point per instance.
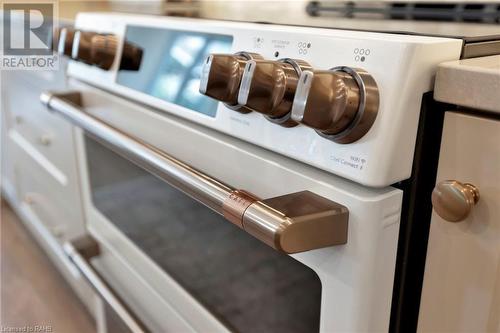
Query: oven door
<point x="181" y="267"/>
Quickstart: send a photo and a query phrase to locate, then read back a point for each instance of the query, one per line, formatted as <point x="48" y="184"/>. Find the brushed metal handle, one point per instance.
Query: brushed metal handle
<point x="291" y="223"/>
<point x="453" y="200"/>
<point x="79" y="252"/>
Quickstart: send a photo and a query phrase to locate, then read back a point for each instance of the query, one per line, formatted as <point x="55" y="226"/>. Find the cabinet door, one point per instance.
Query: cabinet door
<point x="461" y="291"/>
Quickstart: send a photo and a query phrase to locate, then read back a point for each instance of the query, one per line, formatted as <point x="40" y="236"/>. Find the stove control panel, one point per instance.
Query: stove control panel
<point x="347" y="102"/>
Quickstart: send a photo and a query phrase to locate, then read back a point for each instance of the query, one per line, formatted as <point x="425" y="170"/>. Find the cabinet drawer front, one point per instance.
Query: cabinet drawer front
<point x="56" y="205"/>
<point x="48" y="134"/>
<point x="461" y="291"/>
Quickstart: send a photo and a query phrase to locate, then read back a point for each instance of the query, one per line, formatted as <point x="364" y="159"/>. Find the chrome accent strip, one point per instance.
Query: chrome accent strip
<point x="299" y="102"/>
<point x="62" y="41"/>
<point x="246" y="81"/>
<point x="76" y="44"/>
<point x="205" y="73"/>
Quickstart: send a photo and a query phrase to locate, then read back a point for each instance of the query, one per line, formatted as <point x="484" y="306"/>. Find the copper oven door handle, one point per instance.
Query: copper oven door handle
<point x="290" y="223"/>
<point x="79" y="252"/>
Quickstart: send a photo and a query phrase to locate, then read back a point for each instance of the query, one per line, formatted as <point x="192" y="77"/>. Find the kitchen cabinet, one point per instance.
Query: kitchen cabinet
<point x="461" y="289"/>
<point x="39" y="170"/>
<point x="47" y="156"/>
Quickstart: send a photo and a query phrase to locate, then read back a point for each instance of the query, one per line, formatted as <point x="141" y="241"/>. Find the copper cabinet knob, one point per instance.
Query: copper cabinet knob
<point x="340" y="104"/>
<point x="221" y="77"/>
<point x="453" y="200"/>
<point x="268" y="86"/>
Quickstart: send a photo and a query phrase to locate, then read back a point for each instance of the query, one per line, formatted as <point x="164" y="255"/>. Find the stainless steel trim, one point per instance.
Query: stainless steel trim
<point x="62" y="41"/>
<point x="79" y="252"/>
<point x="246" y="81"/>
<point x="299" y="104"/>
<point x="313" y="221"/>
<point x="76" y="44"/>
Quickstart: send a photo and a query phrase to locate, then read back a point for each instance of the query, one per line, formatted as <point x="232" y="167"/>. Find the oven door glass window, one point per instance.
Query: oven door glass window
<point x="245" y="284"/>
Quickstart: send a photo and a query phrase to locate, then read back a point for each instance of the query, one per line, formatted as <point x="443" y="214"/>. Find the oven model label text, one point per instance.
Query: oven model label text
<point x="280" y="43"/>
<point x="240" y="121"/>
<point x="353" y="162"/>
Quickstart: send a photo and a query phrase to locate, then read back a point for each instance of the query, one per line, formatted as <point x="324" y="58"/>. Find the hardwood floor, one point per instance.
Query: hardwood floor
<point x="32" y="290"/>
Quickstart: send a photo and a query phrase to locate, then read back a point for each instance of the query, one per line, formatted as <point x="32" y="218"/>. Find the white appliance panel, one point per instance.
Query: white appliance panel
<point x="403" y="67"/>
<point x="356" y="278"/>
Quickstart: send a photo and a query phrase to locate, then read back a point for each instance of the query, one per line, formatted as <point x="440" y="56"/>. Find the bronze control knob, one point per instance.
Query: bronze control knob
<point x="62" y="41"/>
<point x="56" y="32"/>
<point x="268" y="87"/>
<point x="131" y="57"/>
<point x="103" y="50"/>
<point x="453" y="200"/>
<point x="341" y="104"/>
<point x="82" y="46"/>
<point x="221" y="77"/>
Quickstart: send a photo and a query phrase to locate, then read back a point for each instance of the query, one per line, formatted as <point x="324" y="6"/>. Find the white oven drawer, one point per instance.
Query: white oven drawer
<point x="461" y="290"/>
<point x="207" y="271"/>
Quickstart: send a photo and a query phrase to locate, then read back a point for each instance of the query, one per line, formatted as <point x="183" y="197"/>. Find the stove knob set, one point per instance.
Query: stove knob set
<point x="95" y="49"/>
<point x="221" y="77"/>
<point x="268" y="87"/>
<point x="341" y="104"/>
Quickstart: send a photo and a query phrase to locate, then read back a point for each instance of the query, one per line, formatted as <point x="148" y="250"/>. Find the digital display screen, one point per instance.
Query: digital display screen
<point x="171" y="65"/>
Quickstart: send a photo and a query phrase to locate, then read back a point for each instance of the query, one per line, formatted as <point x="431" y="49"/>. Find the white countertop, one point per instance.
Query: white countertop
<point x="473" y="83"/>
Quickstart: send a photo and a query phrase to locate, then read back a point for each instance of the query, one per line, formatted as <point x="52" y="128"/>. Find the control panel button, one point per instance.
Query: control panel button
<point x="221" y="77"/>
<point x="268" y="86"/>
<point x="341" y="104"/>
